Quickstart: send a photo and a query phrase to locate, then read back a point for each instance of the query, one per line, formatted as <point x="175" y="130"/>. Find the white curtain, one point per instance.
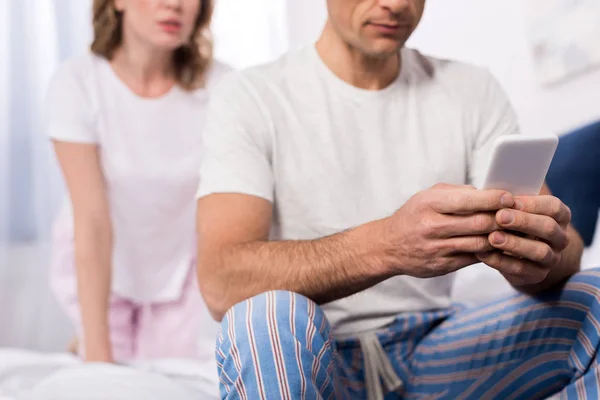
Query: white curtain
<point x="35" y="36"/>
<point x="4" y="112"/>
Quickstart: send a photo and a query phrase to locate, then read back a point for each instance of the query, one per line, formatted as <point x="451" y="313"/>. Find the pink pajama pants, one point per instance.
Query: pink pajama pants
<point x="177" y="329"/>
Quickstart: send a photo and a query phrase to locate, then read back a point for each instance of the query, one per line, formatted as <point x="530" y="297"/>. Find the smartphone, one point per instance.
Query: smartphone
<point x="519" y="164"/>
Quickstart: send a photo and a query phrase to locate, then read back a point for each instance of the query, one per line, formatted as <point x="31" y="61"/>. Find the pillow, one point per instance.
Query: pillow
<point x="574" y="177"/>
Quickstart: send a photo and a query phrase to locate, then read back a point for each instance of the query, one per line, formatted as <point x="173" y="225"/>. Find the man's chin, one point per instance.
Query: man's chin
<point x="385" y="47"/>
<point x="384" y="52"/>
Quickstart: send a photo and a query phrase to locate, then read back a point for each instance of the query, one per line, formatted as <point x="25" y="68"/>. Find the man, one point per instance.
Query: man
<point x="333" y="207"/>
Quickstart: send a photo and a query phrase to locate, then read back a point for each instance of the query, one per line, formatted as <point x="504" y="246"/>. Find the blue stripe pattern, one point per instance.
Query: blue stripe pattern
<point x="278" y="345"/>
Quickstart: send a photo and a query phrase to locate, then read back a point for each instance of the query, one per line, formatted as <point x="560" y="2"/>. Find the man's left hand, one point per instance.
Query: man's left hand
<point x="533" y="238"/>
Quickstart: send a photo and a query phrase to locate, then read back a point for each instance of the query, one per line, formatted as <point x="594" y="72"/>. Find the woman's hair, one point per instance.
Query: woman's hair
<point x="191" y="60"/>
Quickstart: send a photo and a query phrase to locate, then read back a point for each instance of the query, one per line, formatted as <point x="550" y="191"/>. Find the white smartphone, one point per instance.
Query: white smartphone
<point x="519" y="164"/>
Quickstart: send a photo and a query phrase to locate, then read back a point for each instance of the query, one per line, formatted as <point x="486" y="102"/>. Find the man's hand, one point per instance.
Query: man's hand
<point x="440" y="230"/>
<point x="534" y="235"/>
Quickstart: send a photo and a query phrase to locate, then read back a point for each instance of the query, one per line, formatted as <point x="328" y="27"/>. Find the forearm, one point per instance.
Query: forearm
<point x="324" y="270"/>
<point x="93" y="250"/>
<point x="569" y="265"/>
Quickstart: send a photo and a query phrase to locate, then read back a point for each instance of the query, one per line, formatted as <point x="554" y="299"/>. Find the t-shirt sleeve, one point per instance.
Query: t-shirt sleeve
<point x="69" y="114"/>
<point x="236" y="156"/>
<point x="494" y="118"/>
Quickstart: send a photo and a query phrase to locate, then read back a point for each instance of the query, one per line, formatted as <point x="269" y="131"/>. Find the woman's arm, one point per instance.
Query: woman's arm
<point x="81" y="168"/>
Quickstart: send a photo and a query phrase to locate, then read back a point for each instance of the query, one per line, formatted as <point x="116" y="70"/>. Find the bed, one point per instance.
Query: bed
<point x="26" y="375"/>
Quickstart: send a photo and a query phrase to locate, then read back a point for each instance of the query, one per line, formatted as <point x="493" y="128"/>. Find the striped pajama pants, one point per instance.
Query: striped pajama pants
<point x="278" y="346"/>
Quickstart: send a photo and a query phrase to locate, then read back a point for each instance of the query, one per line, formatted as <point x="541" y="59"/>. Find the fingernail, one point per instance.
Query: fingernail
<point x="507" y="200"/>
<point x="506" y="217"/>
<point x="518" y="205"/>
<point x="499" y="238"/>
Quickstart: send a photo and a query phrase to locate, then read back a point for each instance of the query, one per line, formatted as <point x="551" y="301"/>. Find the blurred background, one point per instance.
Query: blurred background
<point x="537" y="49"/>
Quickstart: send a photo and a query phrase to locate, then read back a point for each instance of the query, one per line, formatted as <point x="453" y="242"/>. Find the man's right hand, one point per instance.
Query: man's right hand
<point x="439" y="230"/>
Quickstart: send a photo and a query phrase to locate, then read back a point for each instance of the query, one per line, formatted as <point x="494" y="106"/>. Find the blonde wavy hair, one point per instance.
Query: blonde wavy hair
<point x="190" y="61"/>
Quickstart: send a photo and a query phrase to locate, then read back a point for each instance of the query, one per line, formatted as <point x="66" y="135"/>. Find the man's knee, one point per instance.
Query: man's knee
<point x="285" y="314"/>
<point x="590" y="278"/>
<point x="584" y="288"/>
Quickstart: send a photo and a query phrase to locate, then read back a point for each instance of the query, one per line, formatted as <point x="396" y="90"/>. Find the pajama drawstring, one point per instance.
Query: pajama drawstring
<point x="377" y="365"/>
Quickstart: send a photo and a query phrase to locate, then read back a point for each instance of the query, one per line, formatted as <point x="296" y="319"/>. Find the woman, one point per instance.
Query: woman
<point x="126" y="122"/>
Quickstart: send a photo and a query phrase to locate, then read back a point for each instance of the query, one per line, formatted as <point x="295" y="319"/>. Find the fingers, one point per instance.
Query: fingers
<point x="517" y="271"/>
<point x="468" y="244"/>
<point x="533" y="250"/>
<point x="516" y="280"/>
<point x="544" y="205"/>
<point x="443" y="265"/>
<point x="460" y="261"/>
<point x="466" y="200"/>
<point x="541" y="226"/>
<point x="446" y="226"/>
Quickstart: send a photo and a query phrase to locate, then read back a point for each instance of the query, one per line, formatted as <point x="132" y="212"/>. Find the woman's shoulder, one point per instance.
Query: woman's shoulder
<point x="72" y="100"/>
<point x="80" y="66"/>
<point x="78" y="72"/>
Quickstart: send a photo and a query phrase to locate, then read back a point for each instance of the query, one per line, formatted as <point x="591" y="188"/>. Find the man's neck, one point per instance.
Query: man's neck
<point x="353" y="66"/>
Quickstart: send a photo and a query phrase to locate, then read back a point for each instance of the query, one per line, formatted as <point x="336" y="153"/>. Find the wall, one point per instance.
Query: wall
<point x="490" y="33"/>
<point x="249" y="32"/>
<point x="305" y="21"/>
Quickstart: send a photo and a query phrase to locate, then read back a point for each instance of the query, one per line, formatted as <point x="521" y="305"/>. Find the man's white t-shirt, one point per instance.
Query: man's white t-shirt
<point x="331" y="156"/>
<point x="149" y="155"/>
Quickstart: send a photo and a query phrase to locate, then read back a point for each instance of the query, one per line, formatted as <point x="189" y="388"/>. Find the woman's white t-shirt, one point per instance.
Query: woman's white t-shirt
<point x="149" y="150"/>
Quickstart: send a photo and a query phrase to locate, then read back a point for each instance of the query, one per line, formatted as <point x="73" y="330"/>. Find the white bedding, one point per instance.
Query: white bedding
<point x="36" y="376"/>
